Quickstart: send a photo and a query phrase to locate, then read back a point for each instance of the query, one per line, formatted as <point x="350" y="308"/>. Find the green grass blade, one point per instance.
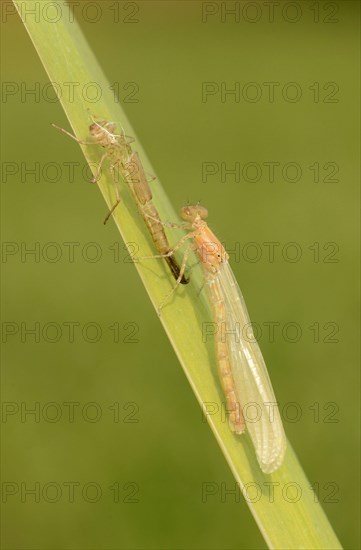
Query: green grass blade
<point x="292" y="518"/>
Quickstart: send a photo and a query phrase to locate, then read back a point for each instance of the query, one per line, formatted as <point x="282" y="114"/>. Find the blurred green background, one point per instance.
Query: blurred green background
<point x="136" y="449"/>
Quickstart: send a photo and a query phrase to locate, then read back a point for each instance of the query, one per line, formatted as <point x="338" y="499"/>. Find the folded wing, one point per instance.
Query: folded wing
<point x="253" y="385"/>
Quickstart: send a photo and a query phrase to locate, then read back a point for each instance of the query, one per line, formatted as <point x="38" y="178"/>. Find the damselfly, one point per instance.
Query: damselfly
<point x="243" y="374"/>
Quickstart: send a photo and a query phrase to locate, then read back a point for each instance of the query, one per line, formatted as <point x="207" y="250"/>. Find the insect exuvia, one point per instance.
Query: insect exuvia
<point x="137" y="181"/>
<point x="120" y="156"/>
<point x="242" y="370"/>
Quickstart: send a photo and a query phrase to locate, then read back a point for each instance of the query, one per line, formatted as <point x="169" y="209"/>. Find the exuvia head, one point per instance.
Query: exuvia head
<point x="96" y="128"/>
<point x="191" y="211"/>
<point x="102" y="127"/>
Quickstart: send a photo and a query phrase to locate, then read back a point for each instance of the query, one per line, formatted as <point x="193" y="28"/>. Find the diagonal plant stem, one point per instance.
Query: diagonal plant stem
<point x="293" y="518"/>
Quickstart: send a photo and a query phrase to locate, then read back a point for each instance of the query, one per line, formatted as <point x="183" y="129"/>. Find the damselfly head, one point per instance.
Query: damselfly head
<point x="190" y="212"/>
